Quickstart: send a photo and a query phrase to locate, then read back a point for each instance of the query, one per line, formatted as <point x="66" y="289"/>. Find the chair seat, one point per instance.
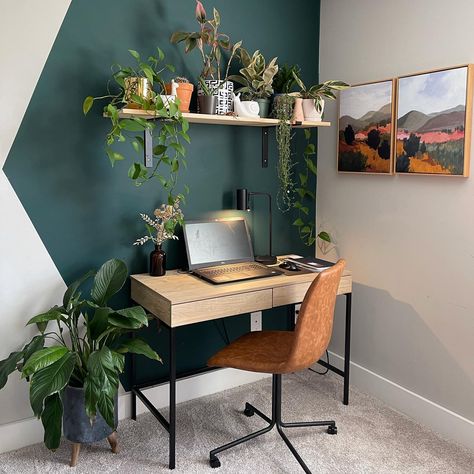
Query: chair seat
<point x="260" y="351"/>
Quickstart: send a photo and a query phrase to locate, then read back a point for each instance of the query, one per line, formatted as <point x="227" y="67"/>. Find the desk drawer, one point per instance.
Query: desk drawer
<point x="214" y="308"/>
<point x="290" y="294"/>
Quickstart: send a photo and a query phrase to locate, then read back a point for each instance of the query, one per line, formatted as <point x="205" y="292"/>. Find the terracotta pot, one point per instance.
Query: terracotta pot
<point x="184" y="93"/>
<point x="298" y="114"/>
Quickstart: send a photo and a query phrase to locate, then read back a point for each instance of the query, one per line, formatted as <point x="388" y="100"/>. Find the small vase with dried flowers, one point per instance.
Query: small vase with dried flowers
<point x="160" y="229"/>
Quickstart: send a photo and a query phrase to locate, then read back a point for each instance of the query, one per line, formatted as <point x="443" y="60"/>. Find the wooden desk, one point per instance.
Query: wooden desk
<point x="179" y="299"/>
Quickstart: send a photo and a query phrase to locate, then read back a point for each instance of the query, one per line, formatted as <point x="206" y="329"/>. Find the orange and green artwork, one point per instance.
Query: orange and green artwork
<point x="431" y="123"/>
<point x="366" y="128"/>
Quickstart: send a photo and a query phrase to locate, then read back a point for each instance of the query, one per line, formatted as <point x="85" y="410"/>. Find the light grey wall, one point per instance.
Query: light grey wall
<point x="409" y="240"/>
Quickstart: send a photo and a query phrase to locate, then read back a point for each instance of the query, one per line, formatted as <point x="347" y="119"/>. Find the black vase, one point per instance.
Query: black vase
<point x="77" y="426"/>
<point x="158" y="262"/>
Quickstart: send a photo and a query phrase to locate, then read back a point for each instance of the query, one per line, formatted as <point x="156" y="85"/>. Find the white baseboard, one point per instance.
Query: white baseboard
<point x="445" y="422"/>
<point x="30" y="431"/>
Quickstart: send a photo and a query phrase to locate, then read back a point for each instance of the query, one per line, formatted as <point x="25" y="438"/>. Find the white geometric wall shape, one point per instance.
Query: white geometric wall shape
<point x="29" y="279"/>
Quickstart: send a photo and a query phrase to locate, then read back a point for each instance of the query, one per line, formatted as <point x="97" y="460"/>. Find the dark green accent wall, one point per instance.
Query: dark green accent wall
<point x="86" y="212"/>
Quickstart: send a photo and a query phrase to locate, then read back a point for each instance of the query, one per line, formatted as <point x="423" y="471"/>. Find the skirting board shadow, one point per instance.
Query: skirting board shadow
<point x="30" y="431"/>
<point x="445" y="422"/>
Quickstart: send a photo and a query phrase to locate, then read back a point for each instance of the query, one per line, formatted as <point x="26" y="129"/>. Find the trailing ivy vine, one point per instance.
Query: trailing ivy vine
<point x="168" y="134"/>
<point x="305" y="196"/>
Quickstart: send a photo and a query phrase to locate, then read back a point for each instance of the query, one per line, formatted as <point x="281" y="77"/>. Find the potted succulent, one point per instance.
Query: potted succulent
<point x="74" y="379"/>
<point x="160" y="229"/>
<point x="313" y="97"/>
<point x="184" y="92"/>
<point x="168" y="151"/>
<point x="256" y="78"/>
<point x="212" y="46"/>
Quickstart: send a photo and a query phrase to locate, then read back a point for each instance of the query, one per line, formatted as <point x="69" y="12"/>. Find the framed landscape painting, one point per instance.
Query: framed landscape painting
<point x="434" y="111"/>
<point x="365" y="138"/>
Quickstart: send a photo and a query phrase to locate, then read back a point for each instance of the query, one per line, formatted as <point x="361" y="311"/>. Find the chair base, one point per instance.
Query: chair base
<point x="275" y="420"/>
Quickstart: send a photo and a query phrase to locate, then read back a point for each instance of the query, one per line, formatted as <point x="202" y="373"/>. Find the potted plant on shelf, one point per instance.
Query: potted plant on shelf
<point x="160" y="229"/>
<point x="256" y="78"/>
<point x="184" y="92"/>
<point x="74" y="381"/>
<point x="283" y="111"/>
<point x="212" y="46"/>
<point x="284" y="80"/>
<point x="313" y="97"/>
<point x="168" y="152"/>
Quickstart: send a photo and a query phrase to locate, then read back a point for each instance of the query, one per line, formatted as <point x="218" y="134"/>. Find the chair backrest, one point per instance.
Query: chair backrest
<point x="314" y="325"/>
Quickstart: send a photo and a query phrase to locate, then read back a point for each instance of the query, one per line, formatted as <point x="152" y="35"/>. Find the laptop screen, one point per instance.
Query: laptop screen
<point x="217" y="242"/>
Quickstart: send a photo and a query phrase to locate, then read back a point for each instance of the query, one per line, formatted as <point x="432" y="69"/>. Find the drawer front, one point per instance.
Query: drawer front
<point x="214" y="308"/>
<point x="290" y="294"/>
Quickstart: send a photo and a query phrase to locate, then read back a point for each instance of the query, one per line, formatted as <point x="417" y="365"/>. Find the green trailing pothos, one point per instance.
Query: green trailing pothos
<point x="283" y="109"/>
<point x="87" y="350"/>
<point x="168" y="134"/>
<point x="305" y="196"/>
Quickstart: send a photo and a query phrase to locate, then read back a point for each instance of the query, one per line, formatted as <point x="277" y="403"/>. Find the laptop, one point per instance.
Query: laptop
<point x="220" y="251"/>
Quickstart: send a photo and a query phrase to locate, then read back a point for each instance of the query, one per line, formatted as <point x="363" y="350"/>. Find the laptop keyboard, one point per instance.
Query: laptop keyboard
<point x="233" y="268"/>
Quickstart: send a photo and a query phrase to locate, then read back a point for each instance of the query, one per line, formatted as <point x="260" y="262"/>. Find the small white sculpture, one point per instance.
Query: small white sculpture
<point x="245" y="108"/>
<point x="174" y="87"/>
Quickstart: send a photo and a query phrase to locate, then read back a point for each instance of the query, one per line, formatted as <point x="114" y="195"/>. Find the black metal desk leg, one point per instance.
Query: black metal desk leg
<point x="132" y="382"/>
<point x="172" y="421"/>
<point x="347" y="348"/>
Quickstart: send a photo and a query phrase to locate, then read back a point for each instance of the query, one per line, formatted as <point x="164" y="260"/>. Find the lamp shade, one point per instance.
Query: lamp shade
<point x="242" y="199"/>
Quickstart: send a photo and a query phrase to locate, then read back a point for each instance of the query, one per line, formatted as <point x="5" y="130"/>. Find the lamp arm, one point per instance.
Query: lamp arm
<point x="252" y="193"/>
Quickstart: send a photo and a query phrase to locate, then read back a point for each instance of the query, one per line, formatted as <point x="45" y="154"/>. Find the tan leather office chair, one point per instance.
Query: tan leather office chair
<point x="282" y="352"/>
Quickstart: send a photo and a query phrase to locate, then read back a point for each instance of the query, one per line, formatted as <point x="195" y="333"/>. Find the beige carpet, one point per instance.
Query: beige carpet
<point x="372" y="438"/>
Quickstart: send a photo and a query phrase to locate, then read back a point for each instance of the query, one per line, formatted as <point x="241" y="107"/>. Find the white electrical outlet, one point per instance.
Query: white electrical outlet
<point x="256" y="321"/>
<point x="297" y="311"/>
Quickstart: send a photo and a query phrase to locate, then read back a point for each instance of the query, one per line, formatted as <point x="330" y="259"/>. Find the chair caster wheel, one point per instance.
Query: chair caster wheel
<point x="332" y="429"/>
<point x="214" y="462"/>
<point x="248" y="411"/>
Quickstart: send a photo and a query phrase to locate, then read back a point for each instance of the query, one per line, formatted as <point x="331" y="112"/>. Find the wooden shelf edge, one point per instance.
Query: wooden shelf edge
<point x="220" y="119"/>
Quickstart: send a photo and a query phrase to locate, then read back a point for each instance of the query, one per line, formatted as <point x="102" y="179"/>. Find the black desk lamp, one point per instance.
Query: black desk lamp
<point x="243" y="197"/>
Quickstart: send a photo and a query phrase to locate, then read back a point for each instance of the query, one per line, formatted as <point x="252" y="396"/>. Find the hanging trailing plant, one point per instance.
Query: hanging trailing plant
<point x="168" y="134"/>
<point x="306" y="197"/>
<point x="283" y="110"/>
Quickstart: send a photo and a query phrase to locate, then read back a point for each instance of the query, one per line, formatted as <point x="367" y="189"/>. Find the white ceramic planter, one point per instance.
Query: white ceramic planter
<point x="310" y="112"/>
<point x="224" y="95"/>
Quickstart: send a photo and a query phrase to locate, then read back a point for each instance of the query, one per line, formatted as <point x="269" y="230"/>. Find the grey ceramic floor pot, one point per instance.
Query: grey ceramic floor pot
<point x="76" y="424"/>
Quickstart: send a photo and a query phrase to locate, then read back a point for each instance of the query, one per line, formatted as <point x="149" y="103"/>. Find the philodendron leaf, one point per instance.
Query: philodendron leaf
<point x="8" y="365"/>
<point x="35" y="345"/>
<point x="138" y="346"/>
<point x="41" y="320"/>
<point x="52" y="419"/>
<point x="135" y="312"/>
<point x="98" y="322"/>
<point x="73" y="287"/>
<point x="324" y="236"/>
<point x="102" y="384"/>
<point x="43" y="358"/>
<point x="50" y="380"/>
<point x="87" y="104"/>
<point x="109" y="280"/>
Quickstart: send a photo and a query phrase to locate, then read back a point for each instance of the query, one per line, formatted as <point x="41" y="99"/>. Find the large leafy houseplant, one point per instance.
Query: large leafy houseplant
<point x="211" y="44"/>
<point x="256" y="76"/>
<point x="168" y="134"/>
<point x="87" y="350"/>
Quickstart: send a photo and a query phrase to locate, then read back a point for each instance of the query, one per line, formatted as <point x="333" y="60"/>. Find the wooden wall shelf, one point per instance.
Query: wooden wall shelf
<point x="264" y="123"/>
<point x="220" y="119"/>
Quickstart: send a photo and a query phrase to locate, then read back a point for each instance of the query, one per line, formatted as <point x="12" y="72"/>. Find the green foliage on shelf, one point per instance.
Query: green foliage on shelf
<point x="307" y="197"/>
<point x="169" y="133"/>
